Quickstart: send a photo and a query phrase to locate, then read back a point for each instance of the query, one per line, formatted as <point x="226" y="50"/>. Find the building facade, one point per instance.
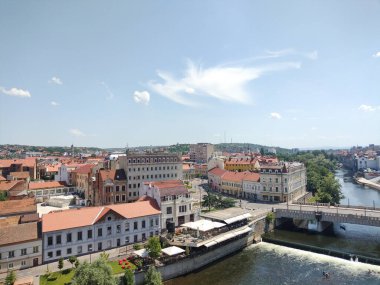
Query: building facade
<point x="201" y="152"/>
<point x="93" y="229"/>
<point x="282" y="182"/>
<point x="174" y="200"/>
<point x="146" y="167"/>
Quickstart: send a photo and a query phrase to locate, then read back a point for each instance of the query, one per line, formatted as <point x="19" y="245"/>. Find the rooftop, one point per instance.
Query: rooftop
<point x="18" y="233"/>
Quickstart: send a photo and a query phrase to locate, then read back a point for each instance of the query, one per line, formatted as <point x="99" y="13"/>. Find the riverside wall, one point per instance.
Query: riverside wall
<point x="192" y="263"/>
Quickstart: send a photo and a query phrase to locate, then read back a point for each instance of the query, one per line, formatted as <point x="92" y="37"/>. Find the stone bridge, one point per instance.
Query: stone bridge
<point x="332" y="215"/>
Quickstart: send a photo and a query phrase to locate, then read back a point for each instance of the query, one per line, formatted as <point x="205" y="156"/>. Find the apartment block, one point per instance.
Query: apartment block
<point x="201" y="152"/>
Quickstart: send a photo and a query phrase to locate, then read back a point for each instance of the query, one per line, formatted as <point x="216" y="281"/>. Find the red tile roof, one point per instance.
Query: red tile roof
<point x="21" y="175"/>
<point x="8" y="185"/>
<point x="113" y="174"/>
<point x="18" y="233"/>
<point x="86" y="169"/>
<point x="46" y="185"/>
<point x="13" y="207"/>
<point x="217" y="171"/>
<point x="82" y="217"/>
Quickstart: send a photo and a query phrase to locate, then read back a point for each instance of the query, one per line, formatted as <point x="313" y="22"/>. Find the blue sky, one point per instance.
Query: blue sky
<point x="108" y="73"/>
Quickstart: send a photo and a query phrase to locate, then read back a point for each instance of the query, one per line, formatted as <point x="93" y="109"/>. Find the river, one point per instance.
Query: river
<point x="356" y="194"/>
<point x="266" y="263"/>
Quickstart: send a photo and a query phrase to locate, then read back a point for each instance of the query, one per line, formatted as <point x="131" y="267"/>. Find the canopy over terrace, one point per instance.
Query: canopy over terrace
<point x="141" y="252"/>
<point x="227" y="216"/>
<point x="172" y="250"/>
<point x="203" y="225"/>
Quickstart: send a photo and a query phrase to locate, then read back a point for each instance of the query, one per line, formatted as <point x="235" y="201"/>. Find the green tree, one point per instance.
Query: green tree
<point x="72" y="260"/>
<point x="330" y="190"/>
<point x="152" y="277"/>
<point x="210" y="200"/>
<point x="154" y="247"/>
<point x="129" y="277"/>
<point x="97" y="273"/>
<point x="60" y="264"/>
<point x="10" y="278"/>
<point x="3" y="196"/>
<point x="77" y="263"/>
<point x="104" y="255"/>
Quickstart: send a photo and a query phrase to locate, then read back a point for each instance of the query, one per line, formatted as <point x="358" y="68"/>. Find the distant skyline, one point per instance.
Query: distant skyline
<point x="293" y="74"/>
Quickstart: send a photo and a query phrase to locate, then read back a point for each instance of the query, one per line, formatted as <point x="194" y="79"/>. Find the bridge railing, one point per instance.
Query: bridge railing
<point x="337" y="205"/>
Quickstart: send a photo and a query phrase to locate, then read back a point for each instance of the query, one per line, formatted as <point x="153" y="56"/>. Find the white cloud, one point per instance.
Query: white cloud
<point x="16" y="92"/>
<point x="368" y="108"/>
<point x="53" y="103"/>
<point x="77" y="133"/>
<point x="314" y="128"/>
<point x="142" y="97"/>
<point x="275" y="115"/>
<point x="222" y="82"/>
<point x="56" y="80"/>
<point x="377" y="54"/>
<point x="108" y="90"/>
<point x="312" y="55"/>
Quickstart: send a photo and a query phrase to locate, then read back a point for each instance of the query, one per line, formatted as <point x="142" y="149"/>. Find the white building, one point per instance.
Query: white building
<point x="145" y="167"/>
<point x="20" y="246"/>
<point x="173" y="199"/>
<point x="252" y="187"/>
<point x="82" y="231"/>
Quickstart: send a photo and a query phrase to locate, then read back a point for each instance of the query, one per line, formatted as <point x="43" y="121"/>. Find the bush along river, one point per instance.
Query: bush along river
<point x="267" y="263"/>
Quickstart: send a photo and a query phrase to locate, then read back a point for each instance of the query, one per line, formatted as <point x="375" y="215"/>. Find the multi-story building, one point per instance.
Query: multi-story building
<point x="112" y="187"/>
<point x="19" y="165"/>
<point x="173" y="199"/>
<point x="145" y="167"/>
<point x="282" y="181"/>
<point x="242" y="164"/>
<point x="20" y="245"/>
<point x="252" y="186"/>
<point x="215" y="178"/>
<point x="201" y="152"/>
<point x="86" y="230"/>
<point x="44" y="189"/>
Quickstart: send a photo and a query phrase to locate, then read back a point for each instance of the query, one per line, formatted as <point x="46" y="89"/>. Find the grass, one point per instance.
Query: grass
<point x="116" y="268"/>
<point x="58" y="278"/>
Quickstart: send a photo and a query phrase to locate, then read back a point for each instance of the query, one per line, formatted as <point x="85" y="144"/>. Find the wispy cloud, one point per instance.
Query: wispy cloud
<point x="110" y="94"/>
<point x="17" y="92"/>
<point x="56" y="80"/>
<point x="53" y="103"/>
<point x="275" y="116"/>
<point x="141" y="97"/>
<point x="377" y="54"/>
<point x="77" y="133"/>
<point x="222" y="82"/>
<point x="368" y="108"/>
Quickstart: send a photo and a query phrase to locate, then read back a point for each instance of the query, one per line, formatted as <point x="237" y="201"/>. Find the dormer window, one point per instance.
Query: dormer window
<point x="109" y="218"/>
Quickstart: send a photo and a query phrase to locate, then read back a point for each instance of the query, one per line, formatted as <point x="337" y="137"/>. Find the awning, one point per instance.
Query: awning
<point x="227" y="236"/>
<point x="238" y="218"/>
<point x="203" y="225"/>
<point x="172" y="250"/>
<point x="141" y="252"/>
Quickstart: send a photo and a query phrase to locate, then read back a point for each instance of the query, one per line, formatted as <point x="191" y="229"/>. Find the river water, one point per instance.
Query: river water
<point x="266" y="263"/>
<point x="356" y="194"/>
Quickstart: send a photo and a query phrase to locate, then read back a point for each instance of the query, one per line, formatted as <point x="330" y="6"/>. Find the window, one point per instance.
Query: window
<point x="143" y="224"/>
<point x="89" y="234"/>
<point x="68" y="237"/>
<point x="10" y="265"/>
<point x="50" y="241"/>
<point x="123" y="188"/>
<point x="126" y="240"/>
<point x="143" y="236"/>
<point x="276" y="189"/>
<point x="69" y="250"/>
<point x="109" y="230"/>
<point x="89" y="247"/>
<point x="79" y="249"/>
<point x="156" y="221"/>
<point x="99" y="246"/>
<point x="58" y="253"/>
<point x="35" y="249"/>
<point x="118" y="229"/>
<point x="276" y="180"/>
<point x="135" y="238"/>
<point x="23" y="262"/>
<point x="79" y="235"/>
<point x="11" y="254"/>
<point x="117" y="188"/>
<point x="50" y="254"/>
<point x="151" y="222"/>
<point x="127" y="227"/>
<point x="135" y="226"/>
<point x="182" y="209"/>
<point x="58" y="239"/>
<point x="151" y="234"/>
<point x="100" y="232"/>
<point x="23" y="251"/>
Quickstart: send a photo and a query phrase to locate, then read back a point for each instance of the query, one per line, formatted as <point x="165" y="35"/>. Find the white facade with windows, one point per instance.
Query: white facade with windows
<point x="145" y="167"/>
<point x="104" y="228"/>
